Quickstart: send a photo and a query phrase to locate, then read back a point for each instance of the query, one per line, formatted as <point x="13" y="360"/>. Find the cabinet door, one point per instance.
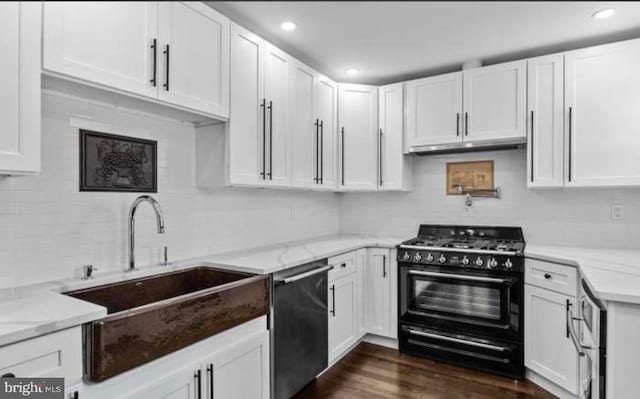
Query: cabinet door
<point x="240" y="371"/>
<point x="494" y="102"/>
<point x="326" y="102"/>
<point x="548" y="350"/>
<point x="378" y="296"/>
<point x="276" y="81"/>
<point x="20" y="82"/>
<point x="358" y="121"/>
<point x="602" y="88"/>
<point x="342" y="315"/>
<point x="361" y="264"/>
<point x="545" y="136"/>
<point x="108" y="43"/>
<point x="305" y="128"/>
<point x="195" y="73"/>
<point x="182" y="384"/>
<point x="434" y="110"/>
<point x="246" y="145"/>
<point x="393" y="167"/>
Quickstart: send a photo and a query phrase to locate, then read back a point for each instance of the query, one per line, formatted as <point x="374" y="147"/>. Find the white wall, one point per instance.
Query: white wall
<point x="48" y="229"/>
<point x="578" y="217"/>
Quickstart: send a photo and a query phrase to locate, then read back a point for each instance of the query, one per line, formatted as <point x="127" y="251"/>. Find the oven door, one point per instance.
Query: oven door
<point x="474" y="302"/>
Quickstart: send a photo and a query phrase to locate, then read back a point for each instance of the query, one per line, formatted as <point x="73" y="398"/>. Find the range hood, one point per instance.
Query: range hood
<point x="469" y="146"/>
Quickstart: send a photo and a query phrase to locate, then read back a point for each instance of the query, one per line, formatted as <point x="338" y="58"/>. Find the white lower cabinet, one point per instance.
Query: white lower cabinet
<point x="342" y="315"/>
<point x="58" y="354"/>
<point x="362" y="298"/>
<point x="240" y="371"/>
<point x="549" y="350"/>
<point x="380" y="294"/>
<point x="182" y="384"/>
<point x="237" y="371"/>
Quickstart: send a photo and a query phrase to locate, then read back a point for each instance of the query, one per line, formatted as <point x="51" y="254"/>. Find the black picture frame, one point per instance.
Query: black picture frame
<point x="115" y="163"/>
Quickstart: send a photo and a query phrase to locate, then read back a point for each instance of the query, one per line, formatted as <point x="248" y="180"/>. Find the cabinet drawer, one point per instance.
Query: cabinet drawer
<point x="552" y="276"/>
<point x="343" y="265"/>
<point x="53" y="355"/>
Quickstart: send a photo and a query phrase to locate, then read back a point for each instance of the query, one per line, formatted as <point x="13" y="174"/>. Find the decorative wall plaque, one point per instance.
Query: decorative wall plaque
<point x="474" y="175"/>
<point x="109" y="162"/>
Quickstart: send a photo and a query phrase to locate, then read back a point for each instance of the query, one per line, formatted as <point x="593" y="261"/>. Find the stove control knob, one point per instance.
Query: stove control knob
<point x="417" y="257"/>
<point x="429" y="257"/>
<point x="406" y="256"/>
<point x="479" y="261"/>
<point x="442" y="259"/>
<point x="465" y="261"/>
<point x="493" y="263"/>
<point x="508" y="264"/>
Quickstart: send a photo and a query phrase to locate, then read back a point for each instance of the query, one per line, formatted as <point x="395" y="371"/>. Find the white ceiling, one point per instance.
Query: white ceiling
<point x="390" y="41"/>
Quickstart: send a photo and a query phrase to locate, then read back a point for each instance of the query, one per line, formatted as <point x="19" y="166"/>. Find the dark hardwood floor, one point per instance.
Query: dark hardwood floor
<point x="374" y="372"/>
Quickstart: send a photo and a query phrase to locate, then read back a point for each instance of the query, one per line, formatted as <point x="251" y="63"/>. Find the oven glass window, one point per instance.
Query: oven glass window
<point x="458" y="298"/>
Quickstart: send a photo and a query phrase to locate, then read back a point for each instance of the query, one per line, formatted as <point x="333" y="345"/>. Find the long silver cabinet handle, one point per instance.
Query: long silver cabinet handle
<point x="571" y="332"/>
<point x="300" y="276"/>
<point x="457" y="340"/>
<point x="459" y="277"/>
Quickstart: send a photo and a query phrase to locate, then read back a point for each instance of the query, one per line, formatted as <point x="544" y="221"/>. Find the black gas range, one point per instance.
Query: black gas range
<point x="461" y="296"/>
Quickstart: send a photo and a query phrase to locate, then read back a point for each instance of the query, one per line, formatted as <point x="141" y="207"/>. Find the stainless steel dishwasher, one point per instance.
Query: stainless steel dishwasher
<point x="300" y="327"/>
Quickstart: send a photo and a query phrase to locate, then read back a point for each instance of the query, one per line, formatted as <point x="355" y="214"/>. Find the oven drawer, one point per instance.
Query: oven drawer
<point x="343" y="265"/>
<point x="495" y="356"/>
<point x="552" y="276"/>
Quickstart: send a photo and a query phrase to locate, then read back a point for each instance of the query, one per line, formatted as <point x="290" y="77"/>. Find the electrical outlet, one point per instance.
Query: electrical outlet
<point x="617" y="212"/>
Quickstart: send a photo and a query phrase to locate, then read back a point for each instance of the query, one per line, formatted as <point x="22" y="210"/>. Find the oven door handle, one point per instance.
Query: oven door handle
<point x="457" y="340"/>
<point x="461" y="277"/>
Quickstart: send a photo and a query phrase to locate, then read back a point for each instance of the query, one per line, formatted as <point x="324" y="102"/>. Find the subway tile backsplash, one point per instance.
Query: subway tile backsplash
<point x="48" y="229"/>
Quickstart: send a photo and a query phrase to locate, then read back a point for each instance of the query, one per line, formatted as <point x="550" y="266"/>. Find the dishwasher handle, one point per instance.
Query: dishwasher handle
<point x="300" y="276"/>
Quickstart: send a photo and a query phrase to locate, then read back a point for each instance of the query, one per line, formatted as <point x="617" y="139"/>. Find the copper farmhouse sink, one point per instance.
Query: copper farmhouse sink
<point x="154" y="316"/>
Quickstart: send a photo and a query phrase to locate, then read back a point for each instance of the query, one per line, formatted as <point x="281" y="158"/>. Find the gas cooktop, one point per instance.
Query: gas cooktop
<point x="477" y="247"/>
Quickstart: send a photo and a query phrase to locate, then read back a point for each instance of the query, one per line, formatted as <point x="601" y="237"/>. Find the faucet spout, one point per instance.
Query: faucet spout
<point x="132" y="218"/>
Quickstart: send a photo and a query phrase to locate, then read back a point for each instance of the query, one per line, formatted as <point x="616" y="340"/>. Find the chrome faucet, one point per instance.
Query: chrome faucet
<point x="132" y="214"/>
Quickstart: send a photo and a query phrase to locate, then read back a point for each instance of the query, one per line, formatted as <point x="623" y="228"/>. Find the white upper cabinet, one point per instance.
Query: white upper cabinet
<point x="127" y="46"/>
<point x="312" y="110"/>
<point x="259" y="110"/>
<point x="305" y="128"/>
<point x="326" y="105"/>
<point x="108" y="43"/>
<point x="602" y="93"/>
<point x="194" y="69"/>
<point x="246" y="135"/>
<point x="545" y="134"/>
<point x="394" y="168"/>
<point x="276" y="81"/>
<point x="358" y="137"/>
<point x="433" y="110"/>
<point x="20" y="82"/>
<point x="494" y="102"/>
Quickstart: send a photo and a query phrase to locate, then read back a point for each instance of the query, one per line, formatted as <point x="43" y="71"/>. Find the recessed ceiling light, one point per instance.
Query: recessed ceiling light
<point x="606" y="13"/>
<point x="288" y="26"/>
<point x="352" y="71"/>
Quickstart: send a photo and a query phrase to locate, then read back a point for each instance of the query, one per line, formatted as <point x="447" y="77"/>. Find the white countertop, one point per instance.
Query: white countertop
<point x="27" y="312"/>
<point x="280" y="257"/>
<point x="613" y="274"/>
<point x="30" y="311"/>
